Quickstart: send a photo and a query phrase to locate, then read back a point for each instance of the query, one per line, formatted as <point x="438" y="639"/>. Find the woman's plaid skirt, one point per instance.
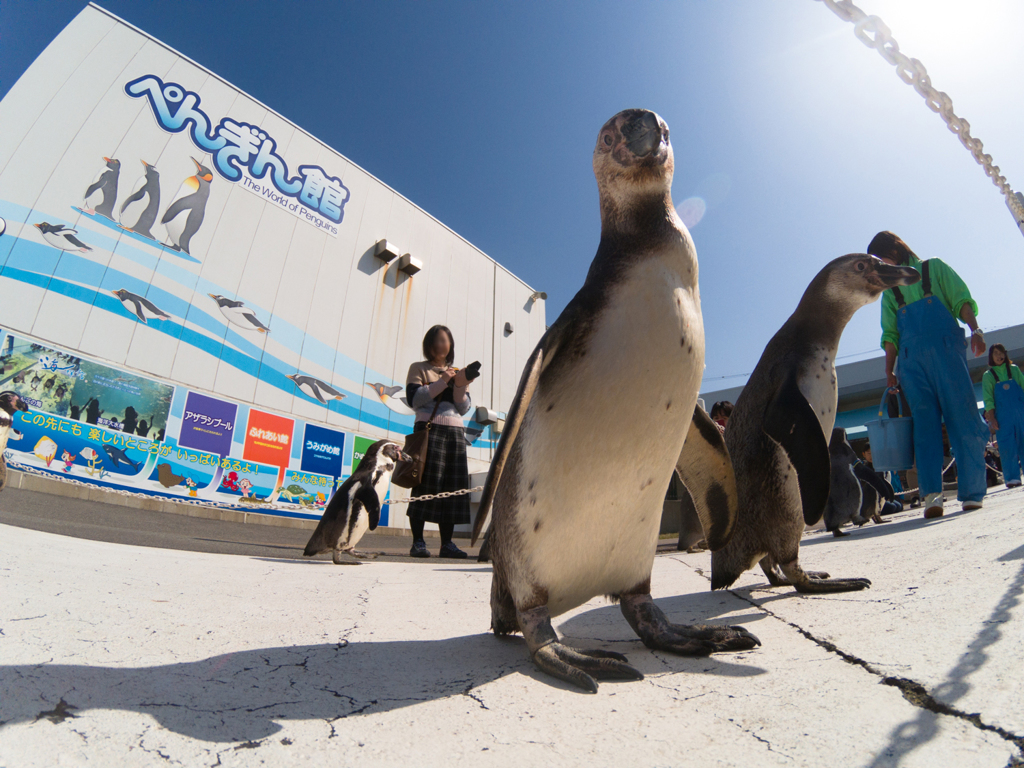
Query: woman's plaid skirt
<point x="446" y="470"/>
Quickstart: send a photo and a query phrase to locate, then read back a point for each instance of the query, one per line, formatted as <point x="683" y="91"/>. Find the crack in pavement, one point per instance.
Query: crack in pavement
<point x="913" y="691"/>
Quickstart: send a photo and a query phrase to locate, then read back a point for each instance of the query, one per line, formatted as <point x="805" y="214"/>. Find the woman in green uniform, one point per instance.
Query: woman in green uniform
<point x="919" y="324"/>
<point x="1002" y="387"/>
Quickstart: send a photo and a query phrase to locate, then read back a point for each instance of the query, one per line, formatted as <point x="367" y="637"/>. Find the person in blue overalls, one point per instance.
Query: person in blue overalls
<point x="1002" y="388"/>
<point x="919" y="325"/>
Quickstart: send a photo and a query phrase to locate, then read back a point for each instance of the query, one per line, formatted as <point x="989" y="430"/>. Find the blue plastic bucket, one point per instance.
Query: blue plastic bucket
<point x="892" y="440"/>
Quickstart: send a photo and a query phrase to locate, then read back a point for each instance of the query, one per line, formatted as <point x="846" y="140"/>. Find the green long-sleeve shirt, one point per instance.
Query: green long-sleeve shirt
<point x="947" y="287"/>
<point x="988" y="383"/>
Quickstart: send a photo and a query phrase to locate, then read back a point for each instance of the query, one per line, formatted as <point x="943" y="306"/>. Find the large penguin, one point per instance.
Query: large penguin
<point x="138" y="212"/>
<point x="616" y="375"/>
<point x="777" y="433"/>
<point x="184" y="216"/>
<point x="355" y="506"/>
<point x="102" y="193"/>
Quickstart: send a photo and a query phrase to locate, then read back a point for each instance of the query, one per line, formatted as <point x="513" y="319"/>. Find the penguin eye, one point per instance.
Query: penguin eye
<point x="607" y="139"/>
<point x="861" y="266"/>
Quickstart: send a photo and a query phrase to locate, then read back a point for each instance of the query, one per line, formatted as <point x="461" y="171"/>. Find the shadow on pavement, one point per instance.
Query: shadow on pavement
<point x="241" y="696"/>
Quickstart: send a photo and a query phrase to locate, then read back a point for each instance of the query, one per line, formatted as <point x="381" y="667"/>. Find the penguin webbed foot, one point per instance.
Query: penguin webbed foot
<point x="343" y="558"/>
<point x="584" y="668"/>
<point x="658" y="633"/>
<point x="819" y="583"/>
<point x="581" y="668"/>
<point x="838" y="533"/>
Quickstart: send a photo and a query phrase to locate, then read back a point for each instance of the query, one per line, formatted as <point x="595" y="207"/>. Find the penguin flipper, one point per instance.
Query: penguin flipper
<point x="152" y="307"/>
<point x="179" y="205"/>
<point x="791" y="422"/>
<point x="527" y="388"/>
<point x="76" y="242"/>
<point x="875" y="480"/>
<point x="368" y="496"/>
<point x="138" y="195"/>
<point x="138" y="309"/>
<point x="705" y="468"/>
<point x="98" y="184"/>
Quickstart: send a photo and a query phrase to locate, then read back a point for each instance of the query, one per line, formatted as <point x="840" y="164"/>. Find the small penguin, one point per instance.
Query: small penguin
<point x="844" y="494"/>
<point x="565" y="530"/>
<point x="316" y="388"/>
<point x="141" y="307"/>
<point x="391" y="398"/>
<point x="9" y="403"/>
<point x="184" y="216"/>
<point x="236" y="313"/>
<point x="102" y="193"/>
<point x="61" y="237"/>
<point x="355" y="506"/>
<point x="777" y="432"/>
<point x="142" y="205"/>
<point x="875" y="491"/>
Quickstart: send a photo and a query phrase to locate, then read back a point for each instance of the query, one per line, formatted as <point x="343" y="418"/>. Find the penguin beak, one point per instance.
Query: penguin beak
<point x="642" y="134"/>
<point x="106" y="159"/>
<point x="887" y="276"/>
<point x="199" y="166"/>
<point x="38" y="226"/>
<point x="404" y="456"/>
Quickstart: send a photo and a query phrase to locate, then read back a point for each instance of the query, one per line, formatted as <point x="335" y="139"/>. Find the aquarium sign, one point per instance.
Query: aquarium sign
<point x="243" y="151"/>
<point x="207" y="424"/>
<point x="322" y="450"/>
<point x="268" y="438"/>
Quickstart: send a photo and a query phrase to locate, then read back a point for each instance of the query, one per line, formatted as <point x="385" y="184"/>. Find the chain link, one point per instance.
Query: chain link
<point x="216" y="504"/>
<point x="873" y="32"/>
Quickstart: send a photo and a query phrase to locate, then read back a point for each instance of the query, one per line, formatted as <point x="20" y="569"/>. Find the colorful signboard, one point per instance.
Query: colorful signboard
<point x="208" y="424"/>
<point x="322" y="450"/>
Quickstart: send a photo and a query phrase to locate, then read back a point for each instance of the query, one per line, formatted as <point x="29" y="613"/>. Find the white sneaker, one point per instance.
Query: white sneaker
<point x="932" y="506"/>
<point x="970" y="506"/>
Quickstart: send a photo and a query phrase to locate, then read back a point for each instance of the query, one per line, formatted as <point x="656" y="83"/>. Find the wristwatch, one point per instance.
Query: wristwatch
<point x="977" y="332"/>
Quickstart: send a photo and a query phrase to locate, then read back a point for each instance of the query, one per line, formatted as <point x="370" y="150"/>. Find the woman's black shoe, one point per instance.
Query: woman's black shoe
<point x="450" y="550"/>
<point x="419" y="549"/>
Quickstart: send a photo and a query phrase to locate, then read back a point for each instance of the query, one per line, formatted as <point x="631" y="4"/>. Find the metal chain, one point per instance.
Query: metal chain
<point x="210" y="503"/>
<point x="871" y="31"/>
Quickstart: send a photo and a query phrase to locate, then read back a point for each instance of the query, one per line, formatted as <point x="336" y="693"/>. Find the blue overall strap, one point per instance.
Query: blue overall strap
<point x="926" y="284"/>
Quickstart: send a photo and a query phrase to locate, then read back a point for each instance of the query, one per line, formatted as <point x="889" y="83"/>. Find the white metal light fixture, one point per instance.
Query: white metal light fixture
<point x="409" y="264"/>
<point x="485" y="415"/>
<point x="508" y="328"/>
<point x="538" y="295"/>
<point x="385" y="251"/>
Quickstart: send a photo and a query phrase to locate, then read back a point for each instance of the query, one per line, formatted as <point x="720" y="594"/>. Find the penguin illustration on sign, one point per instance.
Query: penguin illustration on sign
<point x="355" y="507"/>
<point x="138" y="212"/>
<point x="777" y="432"/>
<point x="141" y="307"/>
<point x="102" y="193"/>
<point x="316" y="388"/>
<point x="184" y="216"/>
<point x="236" y="313"/>
<point x="392" y="398"/>
<point x="61" y="237"/>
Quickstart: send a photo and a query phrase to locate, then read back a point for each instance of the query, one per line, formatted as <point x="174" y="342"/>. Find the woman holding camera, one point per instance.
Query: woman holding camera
<point x="435" y="388"/>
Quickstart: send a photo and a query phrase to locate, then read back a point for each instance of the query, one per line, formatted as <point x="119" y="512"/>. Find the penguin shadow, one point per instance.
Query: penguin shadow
<point x="874" y="530"/>
<point x="244" y="696"/>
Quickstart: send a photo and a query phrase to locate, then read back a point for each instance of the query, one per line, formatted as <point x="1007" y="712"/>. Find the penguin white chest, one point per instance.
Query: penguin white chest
<point x="817" y="382"/>
<point x="601" y="445"/>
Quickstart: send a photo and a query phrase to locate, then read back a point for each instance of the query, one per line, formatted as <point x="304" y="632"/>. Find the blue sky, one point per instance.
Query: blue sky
<point x="800" y="142"/>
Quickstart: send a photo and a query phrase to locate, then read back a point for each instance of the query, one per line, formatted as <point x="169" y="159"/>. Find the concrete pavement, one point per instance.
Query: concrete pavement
<point x="122" y="654"/>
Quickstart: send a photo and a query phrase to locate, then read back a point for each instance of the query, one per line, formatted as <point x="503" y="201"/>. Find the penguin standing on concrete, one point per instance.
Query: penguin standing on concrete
<point x="875" y="491"/>
<point x="102" y="193"/>
<point x="776" y="435"/>
<point x="138" y="212"/>
<point x="355" y="506"/>
<point x="844" y="494"/>
<point x="618" y="371"/>
<point x="184" y="216"/>
<point x="10" y="402"/>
